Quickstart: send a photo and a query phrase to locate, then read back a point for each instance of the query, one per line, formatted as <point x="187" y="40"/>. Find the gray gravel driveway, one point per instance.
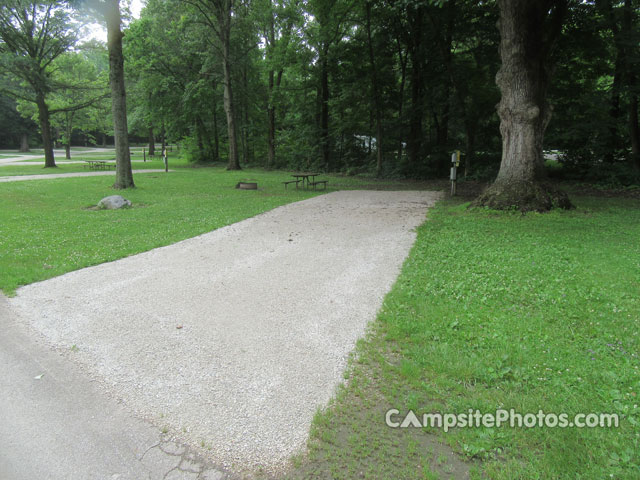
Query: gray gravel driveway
<point x="233" y="339"/>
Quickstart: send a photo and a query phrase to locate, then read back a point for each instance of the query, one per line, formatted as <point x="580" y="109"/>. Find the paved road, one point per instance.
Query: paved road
<point x="22" y="178"/>
<point x="22" y="158"/>
<point x="58" y="424"/>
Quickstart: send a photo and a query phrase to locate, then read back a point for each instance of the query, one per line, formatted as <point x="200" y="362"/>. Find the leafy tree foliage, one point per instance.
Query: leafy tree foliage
<point x="33" y="34"/>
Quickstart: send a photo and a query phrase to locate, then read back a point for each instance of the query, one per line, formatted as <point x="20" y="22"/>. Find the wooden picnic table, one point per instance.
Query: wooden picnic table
<point x="308" y="177"/>
<point x="98" y="164"/>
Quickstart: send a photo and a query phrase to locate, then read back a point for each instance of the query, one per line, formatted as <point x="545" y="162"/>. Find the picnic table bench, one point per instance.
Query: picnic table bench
<point x="296" y="181"/>
<point x="319" y="182"/>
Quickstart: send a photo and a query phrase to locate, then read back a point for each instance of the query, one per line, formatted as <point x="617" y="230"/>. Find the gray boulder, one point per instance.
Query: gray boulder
<point x="113" y="202"/>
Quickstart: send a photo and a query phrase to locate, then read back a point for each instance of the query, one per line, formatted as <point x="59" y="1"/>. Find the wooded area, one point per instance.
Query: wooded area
<point x="387" y="88"/>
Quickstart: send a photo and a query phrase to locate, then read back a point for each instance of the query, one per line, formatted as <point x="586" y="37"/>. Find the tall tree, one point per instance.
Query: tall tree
<point x="276" y="19"/>
<point x="330" y="25"/>
<point x="528" y="32"/>
<point x="33" y="34"/>
<point x="218" y="15"/>
<point x="124" y="175"/>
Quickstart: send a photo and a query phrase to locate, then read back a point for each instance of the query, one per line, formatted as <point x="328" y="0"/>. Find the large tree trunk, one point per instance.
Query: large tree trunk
<point x="24" y="143"/>
<point x="45" y="127"/>
<point x="376" y="94"/>
<point x="124" y="175"/>
<point x="526" y="32"/>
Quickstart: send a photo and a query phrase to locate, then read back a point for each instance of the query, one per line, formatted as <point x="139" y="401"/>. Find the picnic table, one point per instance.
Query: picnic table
<point x="98" y="164"/>
<point x="307" y="177"/>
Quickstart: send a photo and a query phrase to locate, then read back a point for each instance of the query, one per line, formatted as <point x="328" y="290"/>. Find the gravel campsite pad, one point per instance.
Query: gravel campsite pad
<point x="233" y="339"/>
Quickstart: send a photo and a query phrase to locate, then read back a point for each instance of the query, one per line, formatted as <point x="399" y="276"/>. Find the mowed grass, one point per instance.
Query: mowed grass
<point x="497" y="310"/>
<point x="46" y="228"/>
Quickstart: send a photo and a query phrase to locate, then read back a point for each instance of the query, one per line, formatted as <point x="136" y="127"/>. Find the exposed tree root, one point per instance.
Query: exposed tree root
<point x="523" y="196"/>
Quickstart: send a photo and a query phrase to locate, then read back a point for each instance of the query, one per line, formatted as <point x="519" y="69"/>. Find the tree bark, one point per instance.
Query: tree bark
<point x="527" y="31"/>
<point x="152" y="142"/>
<point x="45" y="127"/>
<point x="124" y="175"/>
<point x="523" y="81"/>
<point x="24" y="143"/>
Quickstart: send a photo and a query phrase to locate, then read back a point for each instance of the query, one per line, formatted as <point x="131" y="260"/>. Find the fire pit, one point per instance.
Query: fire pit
<point x="247" y="185"/>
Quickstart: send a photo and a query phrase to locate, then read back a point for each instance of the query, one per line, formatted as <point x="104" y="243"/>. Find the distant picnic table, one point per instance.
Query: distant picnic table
<point x="306" y="177"/>
<point x="99" y="164"/>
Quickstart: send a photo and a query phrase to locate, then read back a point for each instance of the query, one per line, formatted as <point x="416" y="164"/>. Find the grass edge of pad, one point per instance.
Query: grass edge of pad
<point x="496" y="310"/>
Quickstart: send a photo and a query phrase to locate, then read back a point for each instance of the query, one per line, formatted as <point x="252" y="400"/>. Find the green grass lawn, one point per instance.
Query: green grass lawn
<point x="499" y="310"/>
